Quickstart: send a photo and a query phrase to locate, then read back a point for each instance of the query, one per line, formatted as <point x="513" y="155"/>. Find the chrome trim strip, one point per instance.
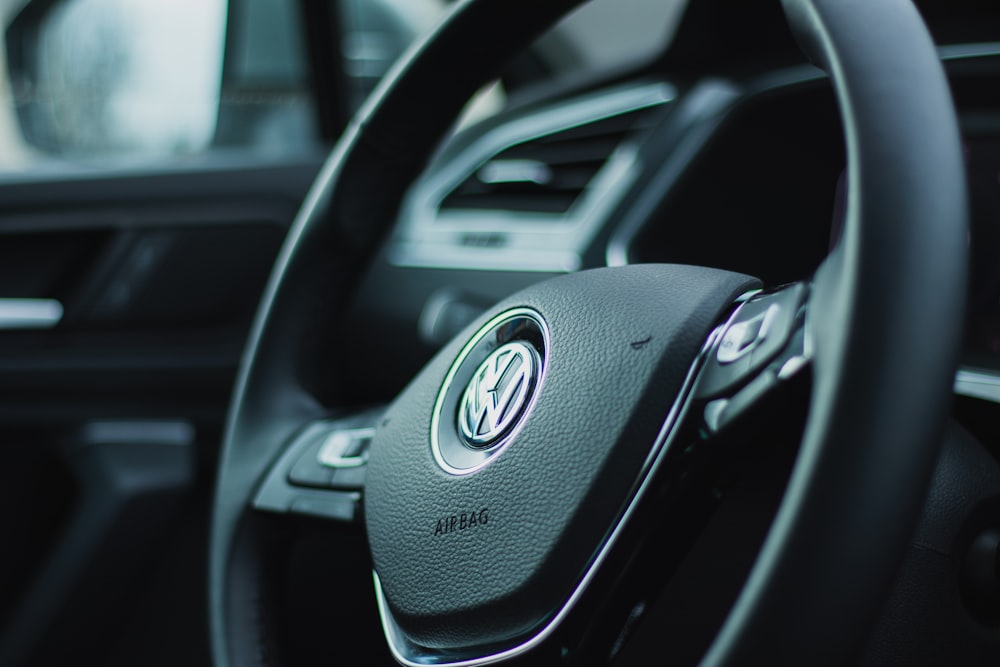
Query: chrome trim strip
<point x="411" y="655"/>
<point x="331" y="452"/>
<point x="975" y="383"/>
<point x="29" y="314"/>
<point x="962" y="51"/>
<point x="429" y="237"/>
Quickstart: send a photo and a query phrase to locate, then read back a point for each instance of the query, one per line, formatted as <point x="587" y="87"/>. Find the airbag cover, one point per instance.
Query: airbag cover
<point x="486" y="558"/>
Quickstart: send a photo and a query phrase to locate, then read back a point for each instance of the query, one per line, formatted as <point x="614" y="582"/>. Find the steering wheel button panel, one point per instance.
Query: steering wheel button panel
<point x="756" y="333"/>
<point x="307" y="471"/>
<point x="349" y="479"/>
<point x="322" y="470"/>
<point x="341" y="509"/>
<point x="741" y="337"/>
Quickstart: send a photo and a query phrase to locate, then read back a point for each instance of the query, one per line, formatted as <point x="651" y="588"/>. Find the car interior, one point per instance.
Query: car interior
<point x="475" y="332"/>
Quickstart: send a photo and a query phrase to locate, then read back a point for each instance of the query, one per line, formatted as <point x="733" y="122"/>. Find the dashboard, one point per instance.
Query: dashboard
<point x="744" y="174"/>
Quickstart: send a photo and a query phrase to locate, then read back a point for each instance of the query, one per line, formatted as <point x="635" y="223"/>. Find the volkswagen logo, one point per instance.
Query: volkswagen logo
<point x="495" y="398"/>
<point x="489" y="390"/>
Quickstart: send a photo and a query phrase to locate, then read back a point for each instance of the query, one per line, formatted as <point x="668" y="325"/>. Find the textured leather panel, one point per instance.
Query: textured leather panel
<point x="621" y="343"/>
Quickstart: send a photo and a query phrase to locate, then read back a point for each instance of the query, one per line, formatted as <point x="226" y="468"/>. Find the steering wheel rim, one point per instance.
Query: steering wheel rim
<point x="870" y="296"/>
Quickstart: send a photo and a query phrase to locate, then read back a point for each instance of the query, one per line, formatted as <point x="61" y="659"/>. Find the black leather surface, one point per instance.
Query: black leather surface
<point x="622" y="343"/>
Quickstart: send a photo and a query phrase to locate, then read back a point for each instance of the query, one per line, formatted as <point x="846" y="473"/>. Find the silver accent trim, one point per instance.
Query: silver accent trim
<point x="426" y="236"/>
<point x="411" y="655"/>
<point x="331" y="453"/>
<point x="742" y="348"/>
<point x="962" y="51"/>
<point x="515" y="171"/>
<point x="980" y="384"/>
<point x="793" y="366"/>
<point x="29" y="314"/>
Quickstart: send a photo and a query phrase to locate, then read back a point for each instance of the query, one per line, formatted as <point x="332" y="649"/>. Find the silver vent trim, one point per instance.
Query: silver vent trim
<point x="427" y="236"/>
<point x="978" y="383"/>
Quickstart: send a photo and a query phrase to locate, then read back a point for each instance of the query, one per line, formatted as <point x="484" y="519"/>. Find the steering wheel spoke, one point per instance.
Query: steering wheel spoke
<point x="321" y="473"/>
<point x="763" y="344"/>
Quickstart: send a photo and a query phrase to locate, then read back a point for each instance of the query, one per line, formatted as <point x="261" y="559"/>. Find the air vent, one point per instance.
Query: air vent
<point x="547" y="174"/>
<point x="529" y="190"/>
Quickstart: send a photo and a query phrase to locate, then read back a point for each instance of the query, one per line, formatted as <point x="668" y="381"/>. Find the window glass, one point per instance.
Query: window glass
<point x="110" y="78"/>
<point x="139" y="76"/>
<point x="95" y="83"/>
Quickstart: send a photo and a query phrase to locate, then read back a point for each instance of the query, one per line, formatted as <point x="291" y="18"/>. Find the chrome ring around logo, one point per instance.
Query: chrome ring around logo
<point x="489" y="391"/>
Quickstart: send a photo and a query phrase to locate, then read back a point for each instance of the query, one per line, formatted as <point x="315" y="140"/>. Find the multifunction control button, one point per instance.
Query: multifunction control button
<point x="754" y="336"/>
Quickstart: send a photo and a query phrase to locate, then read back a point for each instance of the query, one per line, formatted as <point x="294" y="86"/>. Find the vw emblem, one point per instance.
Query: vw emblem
<point x="489" y="390"/>
<point x="496" y="396"/>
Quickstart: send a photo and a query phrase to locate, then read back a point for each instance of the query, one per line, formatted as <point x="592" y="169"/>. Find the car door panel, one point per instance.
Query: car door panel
<point x="110" y="416"/>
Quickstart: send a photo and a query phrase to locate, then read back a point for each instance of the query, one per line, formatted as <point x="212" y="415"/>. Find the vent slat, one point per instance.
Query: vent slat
<point x="547" y="174"/>
<point x="564" y="153"/>
<point x="567" y="177"/>
<point x="547" y="202"/>
<point x="615" y="125"/>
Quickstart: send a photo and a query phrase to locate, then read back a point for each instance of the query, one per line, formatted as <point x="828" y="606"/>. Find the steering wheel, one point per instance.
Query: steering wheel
<point x="509" y="490"/>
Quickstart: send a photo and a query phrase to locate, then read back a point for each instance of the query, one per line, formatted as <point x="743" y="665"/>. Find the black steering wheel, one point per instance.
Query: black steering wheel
<point x="509" y="491"/>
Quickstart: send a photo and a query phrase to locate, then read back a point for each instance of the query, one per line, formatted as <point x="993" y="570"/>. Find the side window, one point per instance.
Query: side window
<point x="97" y="79"/>
<point x="121" y="83"/>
